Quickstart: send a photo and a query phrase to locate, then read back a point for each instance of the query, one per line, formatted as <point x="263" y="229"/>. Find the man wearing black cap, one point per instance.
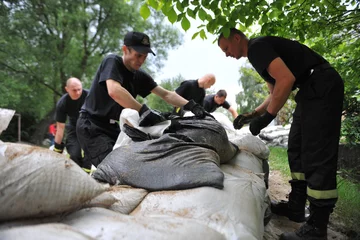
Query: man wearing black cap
<point x="117" y="82"/>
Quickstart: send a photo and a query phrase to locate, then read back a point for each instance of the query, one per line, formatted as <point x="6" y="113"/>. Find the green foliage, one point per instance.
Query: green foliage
<point x="255" y="90"/>
<point x="159" y="104"/>
<point x="350" y="130"/>
<point x="330" y="27"/>
<point x="43" y="43"/>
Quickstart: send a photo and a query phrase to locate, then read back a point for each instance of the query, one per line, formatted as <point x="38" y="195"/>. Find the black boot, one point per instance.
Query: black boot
<point x="294" y="209"/>
<point x="315" y="227"/>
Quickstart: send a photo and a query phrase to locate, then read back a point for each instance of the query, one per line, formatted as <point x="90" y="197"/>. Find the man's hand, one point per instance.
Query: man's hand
<point x="244" y="118"/>
<point x="149" y="117"/>
<point x="59" y="148"/>
<point x="260" y="122"/>
<point x="196" y="109"/>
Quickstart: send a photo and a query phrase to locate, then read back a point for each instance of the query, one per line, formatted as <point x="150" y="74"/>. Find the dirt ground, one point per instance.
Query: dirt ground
<point x="279" y="188"/>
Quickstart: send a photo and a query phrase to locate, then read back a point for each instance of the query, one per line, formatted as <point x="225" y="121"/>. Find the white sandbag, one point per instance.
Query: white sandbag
<point x="53" y="231"/>
<point x="127" y="198"/>
<point x="38" y="182"/>
<point x="105" y="224"/>
<point x="104" y="200"/>
<point x="251" y="144"/>
<point x="237" y="211"/>
<point x="247" y="160"/>
<point x="131" y="117"/>
<point x="5" y="117"/>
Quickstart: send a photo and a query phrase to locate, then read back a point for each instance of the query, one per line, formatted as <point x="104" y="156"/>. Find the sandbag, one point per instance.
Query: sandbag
<point x="105" y="224"/>
<point x="171" y="162"/>
<point x="53" y="231"/>
<point x="5" y="117"/>
<point x="251" y="144"/>
<point x="206" y="130"/>
<point x="127" y="198"/>
<point x="237" y="211"/>
<point x="38" y="182"/>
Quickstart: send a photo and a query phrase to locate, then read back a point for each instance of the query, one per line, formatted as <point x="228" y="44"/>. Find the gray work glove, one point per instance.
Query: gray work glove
<point x="149" y="117"/>
<point x="244" y="118"/>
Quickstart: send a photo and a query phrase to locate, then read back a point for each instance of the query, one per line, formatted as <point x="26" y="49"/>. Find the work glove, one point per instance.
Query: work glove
<point x="149" y="117"/>
<point x="260" y="122"/>
<point x="244" y="118"/>
<point x="59" y="148"/>
<point x="196" y="109"/>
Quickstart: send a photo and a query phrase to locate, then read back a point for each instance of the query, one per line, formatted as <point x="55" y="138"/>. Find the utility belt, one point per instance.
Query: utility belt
<point x="97" y="119"/>
<point x="311" y="71"/>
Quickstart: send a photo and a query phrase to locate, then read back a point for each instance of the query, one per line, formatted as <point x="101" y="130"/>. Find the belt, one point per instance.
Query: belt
<point x="97" y="119"/>
<point x="320" y="67"/>
<point x="311" y="71"/>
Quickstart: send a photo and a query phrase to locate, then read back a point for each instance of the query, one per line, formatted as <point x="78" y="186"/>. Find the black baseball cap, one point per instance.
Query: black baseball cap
<point x="140" y="42"/>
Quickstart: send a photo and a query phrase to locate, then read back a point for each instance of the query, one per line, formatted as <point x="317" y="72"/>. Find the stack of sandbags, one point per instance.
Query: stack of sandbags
<point x="275" y="135"/>
<point x="234" y="212"/>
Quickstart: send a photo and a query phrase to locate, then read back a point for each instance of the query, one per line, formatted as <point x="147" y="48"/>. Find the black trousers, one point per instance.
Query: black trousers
<point x="97" y="138"/>
<point x="314" y="135"/>
<point x="73" y="147"/>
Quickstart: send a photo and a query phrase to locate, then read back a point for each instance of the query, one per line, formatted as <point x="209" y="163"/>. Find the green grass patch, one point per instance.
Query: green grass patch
<point x="348" y="205"/>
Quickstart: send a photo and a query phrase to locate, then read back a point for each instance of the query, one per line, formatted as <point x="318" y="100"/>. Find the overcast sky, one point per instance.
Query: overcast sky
<point x="194" y="58"/>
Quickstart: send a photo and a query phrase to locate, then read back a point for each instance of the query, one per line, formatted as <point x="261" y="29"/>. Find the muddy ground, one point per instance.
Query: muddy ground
<point x="279" y="188"/>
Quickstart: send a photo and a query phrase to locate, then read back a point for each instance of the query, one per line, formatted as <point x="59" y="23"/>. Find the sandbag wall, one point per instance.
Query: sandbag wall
<point x="47" y="196"/>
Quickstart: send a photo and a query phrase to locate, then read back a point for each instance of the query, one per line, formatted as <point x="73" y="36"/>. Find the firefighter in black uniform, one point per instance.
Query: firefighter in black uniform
<point x="214" y="101"/>
<point x="194" y="90"/>
<point x="314" y="135"/>
<point x="69" y="106"/>
<point x="117" y="82"/>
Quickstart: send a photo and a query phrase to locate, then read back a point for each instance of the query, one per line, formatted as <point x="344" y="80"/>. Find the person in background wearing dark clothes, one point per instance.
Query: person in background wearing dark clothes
<point x="314" y="135"/>
<point x="69" y="106"/>
<point x="116" y="84"/>
<point x="194" y="90"/>
<point x="214" y="101"/>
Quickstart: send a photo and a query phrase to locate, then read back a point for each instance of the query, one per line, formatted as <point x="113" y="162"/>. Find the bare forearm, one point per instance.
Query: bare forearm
<point x="122" y="96"/>
<point x="263" y="106"/>
<point x="279" y="97"/>
<point x="60" y="128"/>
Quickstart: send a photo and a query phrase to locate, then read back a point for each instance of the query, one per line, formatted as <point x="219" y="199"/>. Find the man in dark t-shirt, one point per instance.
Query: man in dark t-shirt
<point x="214" y="101"/>
<point x="315" y="130"/>
<point x="194" y="90"/>
<point x="67" y="109"/>
<point x="116" y="84"/>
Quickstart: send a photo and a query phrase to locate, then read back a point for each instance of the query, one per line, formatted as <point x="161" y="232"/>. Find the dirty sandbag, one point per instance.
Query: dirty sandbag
<point x="54" y="231"/>
<point x="37" y="182"/>
<point x="171" y="162"/>
<point x="104" y="224"/>
<point x="206" y="130"/>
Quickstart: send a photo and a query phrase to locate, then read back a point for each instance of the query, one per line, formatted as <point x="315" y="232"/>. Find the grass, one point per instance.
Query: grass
<point x="347" y="208"/>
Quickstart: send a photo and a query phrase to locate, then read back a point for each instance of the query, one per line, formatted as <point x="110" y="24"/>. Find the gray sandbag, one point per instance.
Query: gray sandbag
<point x="171" y="162"/>
<point x="206" y="130"/>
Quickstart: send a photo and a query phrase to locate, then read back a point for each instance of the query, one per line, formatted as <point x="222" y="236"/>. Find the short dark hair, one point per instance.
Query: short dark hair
<point x="221" y="93"/>
<point x="233" y="31"/>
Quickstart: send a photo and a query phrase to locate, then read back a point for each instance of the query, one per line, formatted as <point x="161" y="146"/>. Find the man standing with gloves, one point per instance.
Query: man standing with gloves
<point x="314" y="135"/>
<point x="69" y="106"/>
<point x="116" y="84"/>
